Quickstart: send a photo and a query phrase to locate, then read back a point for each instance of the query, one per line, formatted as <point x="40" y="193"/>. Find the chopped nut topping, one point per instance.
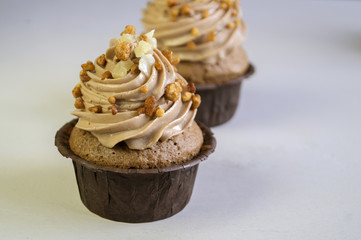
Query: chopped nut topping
<point x="228" y="3"/>
<point x="123" y="51"/>
<point x="191" y="87"/>
<point x="186" y="96"/>
<point x="172" y="92"/>
<point x="95" y="109"/>
<point x="176" y="61"/>
<point x="181" y="82"/>
<point x="237" y="22"/>
<point x="186" y="9"/>
<point x="129" y="30"/>
<point x="212" y="36"/>
<point x="234" y="13"/>
<point x="84" y="76"/>
<point x="107" y="75"/>
<point x="76" y="91"/>
<point x="89" y="66"/>
<point x="194" y="31"/>
<point x="179" y="86"/>
<point x="230" y="25"/>
<point x="205" y="14"/>
<point x="224" y="6"/>
<point x="134" y="69"/>
<point x="101" y="60"/>
<point x="159" y="112"/>
<point x="172" y="3"/>
<point x="79" y="104"/>
<point x="191" y="45"/>
<point x="158" y="65"/>
<point x="112" y="100"/>
<point x="174" y="12"/>
<point x="140" y="111"/>
<point x="143" y="38"/>
<point x="168" y="54"/>
<point x="196" y="99"/>
<point x="144" y="89"/>
<point x="149" y="105"/>
<point x="114" y="110"/>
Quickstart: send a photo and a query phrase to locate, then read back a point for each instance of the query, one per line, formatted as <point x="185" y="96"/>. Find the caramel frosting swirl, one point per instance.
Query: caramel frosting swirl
<point x="196" y="30"/>
<point x="119" y="120"/>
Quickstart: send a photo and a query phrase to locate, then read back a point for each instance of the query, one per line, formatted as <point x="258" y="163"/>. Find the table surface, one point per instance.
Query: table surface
<point x="287" y="166"/>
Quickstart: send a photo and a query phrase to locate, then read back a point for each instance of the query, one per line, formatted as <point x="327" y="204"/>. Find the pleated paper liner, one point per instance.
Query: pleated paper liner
<point x="134" y="195"/>
<point x="220" y="102"/>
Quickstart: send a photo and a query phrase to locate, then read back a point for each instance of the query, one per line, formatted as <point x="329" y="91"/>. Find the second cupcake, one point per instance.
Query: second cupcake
<point x="207" y="36"/>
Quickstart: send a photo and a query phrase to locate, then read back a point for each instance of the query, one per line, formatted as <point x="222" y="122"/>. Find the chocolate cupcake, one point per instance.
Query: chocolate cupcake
<point x="207" y="36"/>
<point x="135" y="145"/>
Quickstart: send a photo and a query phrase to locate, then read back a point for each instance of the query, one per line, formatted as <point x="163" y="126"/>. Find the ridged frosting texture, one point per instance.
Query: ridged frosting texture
<point x="114" y="109"/>
<point x="196" y="30"/>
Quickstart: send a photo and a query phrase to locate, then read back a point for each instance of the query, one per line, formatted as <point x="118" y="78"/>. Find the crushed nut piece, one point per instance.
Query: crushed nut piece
<point x="205" y="14"/>
<point x="76" y="91"/>
<point x="212" y="36"/>
<point x="144" y="89"/>
<point x="224" y="6"/>
<point x="176" y="61"/>
<point x="89" y="66"/>
<point x="181" y="82"/>
<point x="174" y="12"/>
<point x="112" y="100"/>
<point x="143" y="38"/>
<point x="196" y="99"/>
<point x="95" y="109"/>
<point x="194" y="31"/>
<point x="149" y="105"/>
<point x="101" y="60"/>
<point x="158" y="65"/>
<point x="191" y="45"/>
<point x="186" y="9"/>
<point x="237" y="22"/>
<point x="134" y="69"/>
<point x="179" y="86"/>
<point x="79" y="104"/>
<point x="228" y="3"/>
<point x="129" y="30"/>
<point x="159" y="112"/>
<point x="186" y="96"/>
<point x="84" y="76"/>
<point x="234" y="12"/>
<point x="140" y="111"/>
<point x="172" y="3"/>
<point x="123" y="51"/>
<point x="191" y="87"/>
<point x="230" y="25"/>
<point x="107" y="75"/>
<point x="168" y="54"/>
<point x="172" y="92"/>
<point x="114" y="110"/>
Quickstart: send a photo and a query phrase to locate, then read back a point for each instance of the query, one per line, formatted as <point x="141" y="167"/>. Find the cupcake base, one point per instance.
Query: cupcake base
<point x="134" y="195"/>
<point x="220" y="102"/>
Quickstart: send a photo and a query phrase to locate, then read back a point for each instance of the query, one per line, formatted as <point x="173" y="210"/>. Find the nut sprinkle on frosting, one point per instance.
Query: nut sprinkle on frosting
<point x="133" y="94"/>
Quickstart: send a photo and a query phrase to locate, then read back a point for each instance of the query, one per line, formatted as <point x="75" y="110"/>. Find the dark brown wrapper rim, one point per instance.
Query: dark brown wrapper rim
<point x="220" y="102"/>
<point x="134" y="195"/>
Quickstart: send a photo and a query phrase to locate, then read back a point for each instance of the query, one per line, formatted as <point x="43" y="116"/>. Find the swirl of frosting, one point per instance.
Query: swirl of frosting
<point x="114" y="104"/>
<point x="196" y="30"/>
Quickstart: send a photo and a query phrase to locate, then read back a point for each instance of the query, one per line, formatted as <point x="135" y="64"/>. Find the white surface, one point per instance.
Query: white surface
<point x="286" y="167"/>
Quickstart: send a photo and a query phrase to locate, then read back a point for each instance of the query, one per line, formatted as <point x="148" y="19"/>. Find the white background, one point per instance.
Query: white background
<point x="286" y="167"/>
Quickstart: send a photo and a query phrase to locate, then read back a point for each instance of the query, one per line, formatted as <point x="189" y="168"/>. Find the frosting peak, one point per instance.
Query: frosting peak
<point x="133" y="94"/>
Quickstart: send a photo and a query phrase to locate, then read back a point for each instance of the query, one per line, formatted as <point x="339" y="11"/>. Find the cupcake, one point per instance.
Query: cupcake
<point x="207" y="36"/>
<point x="135" y="145"/>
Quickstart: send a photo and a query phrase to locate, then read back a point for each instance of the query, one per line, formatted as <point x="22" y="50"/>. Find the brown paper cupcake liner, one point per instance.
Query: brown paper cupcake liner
<point x="134" y="195"/>
<point x="220" y="102"/>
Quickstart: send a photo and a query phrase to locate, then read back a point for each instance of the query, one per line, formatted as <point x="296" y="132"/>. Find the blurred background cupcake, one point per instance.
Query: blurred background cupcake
<point x="207" y="37"/>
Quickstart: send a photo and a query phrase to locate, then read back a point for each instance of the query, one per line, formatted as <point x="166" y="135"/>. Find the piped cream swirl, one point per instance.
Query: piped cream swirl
<point x="222" y="18"/>
<point x="138" y="131"/>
